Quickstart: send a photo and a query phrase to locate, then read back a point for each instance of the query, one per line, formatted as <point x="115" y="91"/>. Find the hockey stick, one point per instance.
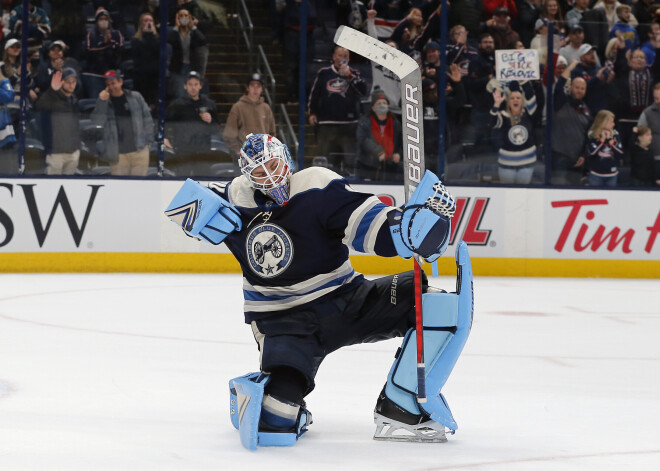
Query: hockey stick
<point x="407" y="70"/>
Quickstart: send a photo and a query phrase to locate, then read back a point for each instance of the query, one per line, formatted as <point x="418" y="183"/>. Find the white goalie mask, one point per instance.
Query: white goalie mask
<point x="267" y="164"/>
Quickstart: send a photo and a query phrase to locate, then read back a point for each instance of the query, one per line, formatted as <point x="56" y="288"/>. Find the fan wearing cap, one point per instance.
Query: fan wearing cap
<point x="55" y="61"/>
<point x="10" y="68"/>
<point x="571" y="51"/>
<point x="102" y="51"/>
<point x="598" y="78"/>
<point x="61" y="128"/>
<point x="191" y="121"/>
<point x="249" y="115"/>
<point x="39" y="28"/>
<point x="499" y="26"/>
<point x="128" y="128"/>
<point x="379" y="141"/>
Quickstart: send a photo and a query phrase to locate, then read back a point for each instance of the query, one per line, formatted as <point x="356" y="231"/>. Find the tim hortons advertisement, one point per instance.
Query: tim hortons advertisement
<point x="106" y="215"/>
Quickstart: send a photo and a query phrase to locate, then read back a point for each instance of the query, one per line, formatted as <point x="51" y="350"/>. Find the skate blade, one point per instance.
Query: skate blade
<point x="393" y="431"/>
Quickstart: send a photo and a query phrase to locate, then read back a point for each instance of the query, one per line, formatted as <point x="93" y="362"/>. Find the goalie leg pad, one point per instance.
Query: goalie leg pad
<point x="203" y="213"/>
<point x="447" y="324"/>
<point x="247" y="406"/>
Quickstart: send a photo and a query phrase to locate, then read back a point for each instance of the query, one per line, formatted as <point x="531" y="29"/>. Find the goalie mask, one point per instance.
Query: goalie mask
<point x="267" y="164"/>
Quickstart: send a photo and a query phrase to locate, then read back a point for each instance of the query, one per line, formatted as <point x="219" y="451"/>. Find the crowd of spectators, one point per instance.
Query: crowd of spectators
<point x="604" y="61"/>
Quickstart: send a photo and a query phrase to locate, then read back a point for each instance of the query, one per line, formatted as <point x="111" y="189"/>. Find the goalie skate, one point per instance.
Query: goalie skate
<point x="396" y="424"/>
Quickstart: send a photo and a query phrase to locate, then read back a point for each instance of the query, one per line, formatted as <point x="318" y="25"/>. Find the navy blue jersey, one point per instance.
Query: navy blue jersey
<point x="295" y="254"/>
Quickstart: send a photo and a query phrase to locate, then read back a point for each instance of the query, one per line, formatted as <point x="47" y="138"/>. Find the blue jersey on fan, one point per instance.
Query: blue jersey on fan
<point x="295" y="254"/>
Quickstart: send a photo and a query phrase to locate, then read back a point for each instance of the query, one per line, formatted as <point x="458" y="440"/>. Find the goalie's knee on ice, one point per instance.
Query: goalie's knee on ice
<point x="264" y="420"/>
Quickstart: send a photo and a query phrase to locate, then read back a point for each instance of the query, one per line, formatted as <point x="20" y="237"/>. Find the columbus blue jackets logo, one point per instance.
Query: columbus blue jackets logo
<point x="518" y="135"/>
<point x="269" y="250"/>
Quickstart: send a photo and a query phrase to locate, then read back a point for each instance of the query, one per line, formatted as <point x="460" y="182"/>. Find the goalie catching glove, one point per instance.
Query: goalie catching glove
<point x="202" y="213"/>
<point x="423" y="225"/>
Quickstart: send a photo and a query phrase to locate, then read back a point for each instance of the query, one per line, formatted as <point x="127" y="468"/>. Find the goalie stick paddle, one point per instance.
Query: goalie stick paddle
<point x="407" y="70"/>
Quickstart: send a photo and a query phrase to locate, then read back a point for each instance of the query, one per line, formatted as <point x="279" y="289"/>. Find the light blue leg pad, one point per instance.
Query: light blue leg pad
<point x="447" y="324"/>
<point x="245" y="396"/>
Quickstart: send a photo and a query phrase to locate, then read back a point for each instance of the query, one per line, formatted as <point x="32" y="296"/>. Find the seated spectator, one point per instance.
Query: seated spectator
<point x="604" y="151"/>
<point x="408" y="29"/>
<point x="517" y="156"/>
<point x="598" y="78"/>
<point x="644" y="168"/>
<point x="39" y="28"/>
<point x="333" y="106"/>
<point x="379" y="142"/>
<point x="61" y="123"/>
<point x="609" y="7"/>
<point x="550" y="11"/>
<point x="102" y="51"/>
<point x="571" y="51"/>
<point x="499" y="27"/>
<point x="459" y="52"/>
<point x="189" y="52"/>
<point x="571" y="121"/>
<point x="145" y="50"/>
<point x="55" y="62"/>
<point x="128" y="129"/>
<point x="10" y="68"/>
<point x="623" y="29"/>
<point x="650" y="118"/>
<point x="8" y="156"/>
<point x="249" y="115"/>
<point x="191" y="121"/>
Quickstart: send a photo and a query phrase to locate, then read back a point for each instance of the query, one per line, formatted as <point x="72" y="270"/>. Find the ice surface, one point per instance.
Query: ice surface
<point x="129" y="372"/>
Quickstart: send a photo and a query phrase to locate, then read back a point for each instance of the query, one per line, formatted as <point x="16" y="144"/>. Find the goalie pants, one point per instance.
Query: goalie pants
<point x="376" y="310"/>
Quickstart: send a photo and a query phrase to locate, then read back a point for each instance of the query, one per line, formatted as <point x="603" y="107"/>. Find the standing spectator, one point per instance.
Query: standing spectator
<point x="571" y="119"/>
<point x="644" y="168"/>
<point x="39" y="28"/>
<point x="528" y="13"/>
<point x="379" y="142"/>
<point x="652" y="44"/>
<point x="431" y="64"/>
<point x="127" y="127"/>
<point x="10" y="68"/>
<point x="145" y="50"/>
<point x="249" y="115"/>
<point x="332" y="106"/>
<point x="650" y="118"/>
<point x="609" y="7"/>
<point x="499" y="27"/>
<point x="459" y="52"/>
<point x="480" y="72"/>
<point x="598" y="78"/>
<point x="189" y="52"/>
<point x="517" y="155"/>
<point x="8" y="157"/>
<point x="408" y="29"/>
<point x="604" y="151"/>
<point x="199" y="17"/>
<point x="191" y="122"/>
<point x="622" y="28"/>
<point x="550" y="11"/>
<point x="61" y="129"/>
<point x="102" y="52"/>
<point x="596" y="27"/>
<point x="56" y="61"/>
<point x="571" y="51"/>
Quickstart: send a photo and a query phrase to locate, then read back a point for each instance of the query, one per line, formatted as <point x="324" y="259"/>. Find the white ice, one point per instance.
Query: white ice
<point x="129" y="372"/>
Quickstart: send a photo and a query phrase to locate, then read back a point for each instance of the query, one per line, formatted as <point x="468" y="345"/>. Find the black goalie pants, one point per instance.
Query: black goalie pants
<point x="293" y="346"/>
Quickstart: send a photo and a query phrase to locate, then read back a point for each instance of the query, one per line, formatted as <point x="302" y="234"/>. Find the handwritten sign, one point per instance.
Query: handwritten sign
<point x="517" y="64"/>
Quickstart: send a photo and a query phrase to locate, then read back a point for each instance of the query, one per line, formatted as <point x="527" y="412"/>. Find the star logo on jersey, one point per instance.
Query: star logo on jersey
<point x="269" y="250"/>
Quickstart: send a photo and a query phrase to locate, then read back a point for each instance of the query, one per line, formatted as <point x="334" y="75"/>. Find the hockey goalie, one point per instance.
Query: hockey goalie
<point x="291" y="233"/>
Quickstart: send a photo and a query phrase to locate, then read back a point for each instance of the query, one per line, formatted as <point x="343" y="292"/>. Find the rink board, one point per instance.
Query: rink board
<point x="117" y="225"/>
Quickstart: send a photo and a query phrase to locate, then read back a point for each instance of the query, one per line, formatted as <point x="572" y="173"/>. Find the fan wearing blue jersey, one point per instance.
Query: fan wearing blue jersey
<point x="291" y="233"/>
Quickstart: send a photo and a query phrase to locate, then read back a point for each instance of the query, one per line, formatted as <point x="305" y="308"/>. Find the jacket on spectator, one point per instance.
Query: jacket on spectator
<point x="334" y="99"/>
<point x="643" y="165"/>
<point x="504" y="37"/>
<point x="247" y="117"/>
<point x="518" y="146"/>
<point x="635" y="89"/>
<point x="101" y="55"/>
<point x="39" y="22"/>
<point x="61" y="118"/>
<point x="368" y="148"/>
<point x="479" y="72"/>
<point x="143" y="126"/>
<point x="461" y="55"/>
<point x="571" y="119"/>
<point x="187" y="130"/>
<point x="197" y="59"/>
<point x="596" y="30"/>
<point x="46" y="71"/>
<point x="628" y="32"/>
<point x="7" y="135"/>
<point x="145" y="52"/>
<point x="597" y="90"/>
<point x="604" y="158"/>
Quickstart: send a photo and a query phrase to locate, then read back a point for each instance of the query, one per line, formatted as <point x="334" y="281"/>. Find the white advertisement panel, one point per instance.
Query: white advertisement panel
<point x="108" y="215"/>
